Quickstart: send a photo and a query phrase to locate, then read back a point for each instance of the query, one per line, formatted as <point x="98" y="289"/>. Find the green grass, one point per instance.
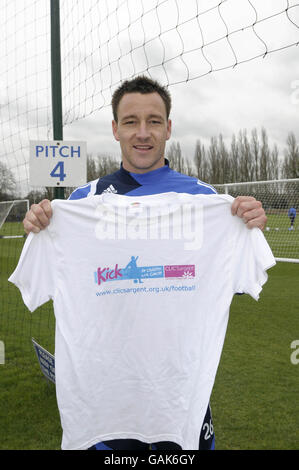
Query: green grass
<point x="255" y="398"/>
<point x="12" y="228"/>
<point x="284" y="243"/>
<point x="29" y="417"/>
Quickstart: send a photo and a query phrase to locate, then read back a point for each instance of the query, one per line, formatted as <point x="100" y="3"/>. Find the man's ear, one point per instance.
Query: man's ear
<point x="169" y="124"/>
<point x="115" y="130"/>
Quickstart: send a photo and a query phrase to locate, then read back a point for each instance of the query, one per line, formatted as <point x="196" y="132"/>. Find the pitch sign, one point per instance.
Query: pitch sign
<point x="57" y="163"/>
<point x="46" y="361"/>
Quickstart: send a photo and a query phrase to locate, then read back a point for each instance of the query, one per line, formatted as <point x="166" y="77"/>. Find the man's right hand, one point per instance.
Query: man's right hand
<point x="38" y="217"/>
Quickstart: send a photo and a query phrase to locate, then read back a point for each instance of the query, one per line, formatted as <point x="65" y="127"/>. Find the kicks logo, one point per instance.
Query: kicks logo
<point x="140" y="273"/>
<point x="106" y="274"/>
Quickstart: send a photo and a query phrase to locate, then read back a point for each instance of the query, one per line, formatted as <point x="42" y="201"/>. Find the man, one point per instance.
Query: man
<point x="292" y="217"/>
<point x="141" y="124"/>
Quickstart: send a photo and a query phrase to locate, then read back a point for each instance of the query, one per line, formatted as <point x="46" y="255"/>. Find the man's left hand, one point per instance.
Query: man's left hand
<point x="250" y="210"/>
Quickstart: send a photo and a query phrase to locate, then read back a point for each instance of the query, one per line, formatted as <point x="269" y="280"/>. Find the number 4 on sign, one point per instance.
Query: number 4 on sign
<point x="58" y="171"/>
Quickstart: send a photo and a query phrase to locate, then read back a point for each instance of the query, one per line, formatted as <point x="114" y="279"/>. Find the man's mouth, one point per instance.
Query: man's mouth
<point x="142" y="148"/>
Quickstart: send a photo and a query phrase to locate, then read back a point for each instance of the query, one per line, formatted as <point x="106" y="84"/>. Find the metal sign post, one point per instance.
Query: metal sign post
<point x="56" y="80"/>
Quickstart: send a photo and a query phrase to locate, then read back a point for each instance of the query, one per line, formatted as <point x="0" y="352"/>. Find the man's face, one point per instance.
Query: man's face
<point x="142" y="131"/>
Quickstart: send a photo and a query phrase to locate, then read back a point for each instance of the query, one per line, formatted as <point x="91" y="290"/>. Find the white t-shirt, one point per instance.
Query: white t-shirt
<point x="141" y="288"/>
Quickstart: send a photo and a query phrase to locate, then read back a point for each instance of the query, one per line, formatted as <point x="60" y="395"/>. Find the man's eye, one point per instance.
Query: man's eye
<point x="155" y="122"/>
<point x="129" y="122"/>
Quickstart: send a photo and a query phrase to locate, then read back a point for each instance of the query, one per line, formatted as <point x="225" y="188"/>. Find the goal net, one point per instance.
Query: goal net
<point x="17" y="324"/>
<point x="11" y="214"/>
<point x="102" y="44"/>
<point x="277" y="197"/>
<point x="105" y="42"/>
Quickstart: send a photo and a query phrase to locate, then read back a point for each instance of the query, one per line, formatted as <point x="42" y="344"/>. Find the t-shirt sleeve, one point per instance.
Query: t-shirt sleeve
<point x="252" y="258"/>
<point x="34" y="274"/>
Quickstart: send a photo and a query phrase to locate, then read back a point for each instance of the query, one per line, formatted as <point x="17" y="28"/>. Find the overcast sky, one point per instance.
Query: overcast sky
<point x="257" y="93"/>
<point x="103" y="41"/>
<point x="264" y="93"/>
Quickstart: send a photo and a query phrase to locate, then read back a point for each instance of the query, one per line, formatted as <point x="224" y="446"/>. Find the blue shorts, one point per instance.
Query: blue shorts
<point x="206" y="440"/>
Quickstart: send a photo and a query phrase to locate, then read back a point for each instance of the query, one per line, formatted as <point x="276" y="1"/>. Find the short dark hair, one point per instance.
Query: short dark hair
<point x="144" y="85"/>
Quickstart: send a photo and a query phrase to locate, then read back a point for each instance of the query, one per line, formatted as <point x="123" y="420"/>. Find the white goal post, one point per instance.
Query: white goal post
<point x="12" y="211"/>
<point x="277" y="197"/>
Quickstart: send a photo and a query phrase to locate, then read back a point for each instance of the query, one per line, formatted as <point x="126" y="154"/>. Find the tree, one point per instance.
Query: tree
<point x="245" y="157"/>
<point x="91" y="168"/>
<point x="105" y="164"/>
<point x="264" y="156"/>
<point x="177" y="161"/>
<point x="174" y="155"/>
<point x="37" y="195"/>
<point x="224" y="161"/>
<point x="273" y="167"/>
<point x="200" y="162"/>
<point x="100" y="166"/>
<point x="214" y="165"/>
<point x="234" y="159"/>
<point x="290" y="166"/>
<point x="255" y="150"/>
<point x="7" y="183"/>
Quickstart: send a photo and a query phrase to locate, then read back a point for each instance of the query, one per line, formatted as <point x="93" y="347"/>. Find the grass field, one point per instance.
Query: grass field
<point x="284" y="243"/>
<point x="255" y="398"/>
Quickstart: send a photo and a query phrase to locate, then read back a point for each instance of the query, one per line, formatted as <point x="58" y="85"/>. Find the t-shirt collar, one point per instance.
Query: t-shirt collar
<point x="150" y="175"/>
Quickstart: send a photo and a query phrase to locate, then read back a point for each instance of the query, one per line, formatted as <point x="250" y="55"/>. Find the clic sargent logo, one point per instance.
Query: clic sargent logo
<point x="141" y="273"/>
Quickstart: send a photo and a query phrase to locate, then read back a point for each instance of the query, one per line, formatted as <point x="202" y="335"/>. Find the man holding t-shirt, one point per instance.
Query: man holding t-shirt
<point x="141" y="124"/>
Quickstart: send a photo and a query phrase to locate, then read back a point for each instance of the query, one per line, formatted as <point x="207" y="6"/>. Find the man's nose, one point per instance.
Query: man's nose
<point x="142" y="131"/>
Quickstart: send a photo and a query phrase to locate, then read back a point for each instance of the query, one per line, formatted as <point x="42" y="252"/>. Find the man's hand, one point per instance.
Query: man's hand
<point x="250" y="210"/>
<point x="38" y="217"/>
